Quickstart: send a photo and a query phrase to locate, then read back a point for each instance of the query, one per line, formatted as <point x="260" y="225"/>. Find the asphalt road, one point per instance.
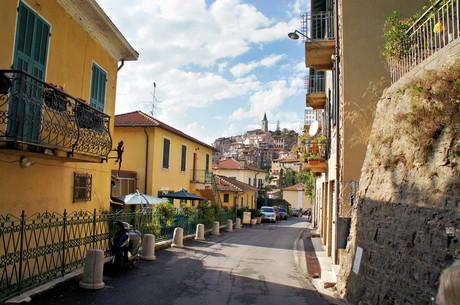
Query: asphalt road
<point x="253" y="265"/>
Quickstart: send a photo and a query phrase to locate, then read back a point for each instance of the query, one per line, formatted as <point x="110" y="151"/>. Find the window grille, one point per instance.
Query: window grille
<point x="82" y="184"/>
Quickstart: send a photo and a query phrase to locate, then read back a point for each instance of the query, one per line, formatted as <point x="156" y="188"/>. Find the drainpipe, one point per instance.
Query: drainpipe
<point x="122" y="63"/>
<point x="146" y="158"/>
<point x="337" y="97"/>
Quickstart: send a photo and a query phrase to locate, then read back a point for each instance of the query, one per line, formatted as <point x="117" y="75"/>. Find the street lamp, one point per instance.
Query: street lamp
<point x="295" y="35"/>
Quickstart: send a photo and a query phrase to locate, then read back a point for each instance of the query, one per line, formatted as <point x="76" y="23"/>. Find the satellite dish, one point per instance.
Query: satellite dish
<point x="313" y="129"/>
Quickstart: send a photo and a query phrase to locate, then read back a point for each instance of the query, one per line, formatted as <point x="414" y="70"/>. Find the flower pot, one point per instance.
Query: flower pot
<point x="253" y="221"/>
<point x="55" y="100"/>
<point x="5" y="84"/>
<point x="259" y="220"/>
<point x="313" y="162"/>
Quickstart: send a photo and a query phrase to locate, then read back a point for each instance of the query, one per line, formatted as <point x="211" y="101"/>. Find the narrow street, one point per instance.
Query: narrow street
<point x="254" y="265"/>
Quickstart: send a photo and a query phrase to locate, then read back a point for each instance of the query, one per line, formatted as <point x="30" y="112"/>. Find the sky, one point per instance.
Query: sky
<point x="212" y="68"/>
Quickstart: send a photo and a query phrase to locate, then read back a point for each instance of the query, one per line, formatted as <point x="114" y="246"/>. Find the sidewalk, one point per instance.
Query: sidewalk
<point x="320" y="268"/>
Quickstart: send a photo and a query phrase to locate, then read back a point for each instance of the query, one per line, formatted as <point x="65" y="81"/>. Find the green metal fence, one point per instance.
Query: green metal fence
<point x="38" y="248"/>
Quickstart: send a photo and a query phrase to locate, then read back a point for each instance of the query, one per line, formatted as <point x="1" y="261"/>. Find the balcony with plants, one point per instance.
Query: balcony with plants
<point x="408" y="42"/>
<point x="314" y="152"/>
<point x="319" y="39"/>
<point x="315" y="84"/>
<point x="43" y="119"/>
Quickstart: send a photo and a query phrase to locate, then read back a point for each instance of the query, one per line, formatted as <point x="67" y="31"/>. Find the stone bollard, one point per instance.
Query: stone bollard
<point x="199" y="235"/>
<point x="178" y="238"/>
<point x="215" y="228"/>
<point x="148" y="249"/>
<point x="93" y="270"/>
<point x="229" y="225"/>
<point x="238" y="223"/>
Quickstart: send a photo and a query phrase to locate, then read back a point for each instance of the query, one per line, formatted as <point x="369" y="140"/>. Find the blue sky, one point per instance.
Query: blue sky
<point x="218" y="65"/>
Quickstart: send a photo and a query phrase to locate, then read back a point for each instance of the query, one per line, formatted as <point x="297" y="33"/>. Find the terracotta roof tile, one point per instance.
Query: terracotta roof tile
<point x="295" y="187"/>
<point x="230" y="184"/>
<point x="140" y="119"/>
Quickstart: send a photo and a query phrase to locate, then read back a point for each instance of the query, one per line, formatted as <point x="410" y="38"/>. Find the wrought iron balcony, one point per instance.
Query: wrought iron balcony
<point x="36" y="116"/>
<point x="436" y="28"/>
<point x="319" y="39"/>
<point x="315" y="84"/>
<point x="200" y="176"/>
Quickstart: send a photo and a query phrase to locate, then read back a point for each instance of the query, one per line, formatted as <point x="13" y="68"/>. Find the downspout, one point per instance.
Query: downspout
<point x="146" y="158"/>
<point x="337" y="97"/>
<point x="122" y="63"/>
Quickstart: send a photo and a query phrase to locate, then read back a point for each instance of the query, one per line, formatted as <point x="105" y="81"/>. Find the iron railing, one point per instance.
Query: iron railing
<point x="435" y="29"/>
<point x="317" y="26"/>
<point x="40" y="116"/>
<point x="200" y="176"/>
<point x="315" y="83"/>
<point x="44" y="246"/>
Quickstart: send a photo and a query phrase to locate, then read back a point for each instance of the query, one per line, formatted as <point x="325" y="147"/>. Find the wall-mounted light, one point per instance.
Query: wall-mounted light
<point x="24" y="162"/>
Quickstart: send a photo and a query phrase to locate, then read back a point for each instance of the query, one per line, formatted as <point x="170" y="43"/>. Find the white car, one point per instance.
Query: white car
<point x="268" y="213"/>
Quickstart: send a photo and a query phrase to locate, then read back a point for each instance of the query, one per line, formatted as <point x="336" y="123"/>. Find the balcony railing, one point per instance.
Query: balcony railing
<point x="200" y="176"/>
<point x="318" y="26"/>
<point x="37" y="116"/>
<point x="435" y="29"/>
<point x="315" y="83"/>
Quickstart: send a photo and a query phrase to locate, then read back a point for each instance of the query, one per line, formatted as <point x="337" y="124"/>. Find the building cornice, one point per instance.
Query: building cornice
<point x="90" y="16"/>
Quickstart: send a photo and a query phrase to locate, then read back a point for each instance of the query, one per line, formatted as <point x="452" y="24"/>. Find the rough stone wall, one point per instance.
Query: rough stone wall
<point x="407" y="219"/>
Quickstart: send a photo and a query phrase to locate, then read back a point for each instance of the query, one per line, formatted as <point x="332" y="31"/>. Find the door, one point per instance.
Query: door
<point x="30" y="55"/>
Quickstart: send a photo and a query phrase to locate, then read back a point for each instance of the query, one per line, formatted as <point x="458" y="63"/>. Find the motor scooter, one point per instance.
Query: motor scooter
<point x="124" y="246"/>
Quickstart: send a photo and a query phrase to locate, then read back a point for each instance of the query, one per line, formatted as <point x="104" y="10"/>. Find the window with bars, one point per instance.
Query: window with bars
<point x="82" y="184"/>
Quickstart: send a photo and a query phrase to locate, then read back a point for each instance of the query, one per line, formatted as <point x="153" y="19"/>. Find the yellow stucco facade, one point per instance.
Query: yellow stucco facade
<point x="144" y="153"/>
<point x="47" y="184"/>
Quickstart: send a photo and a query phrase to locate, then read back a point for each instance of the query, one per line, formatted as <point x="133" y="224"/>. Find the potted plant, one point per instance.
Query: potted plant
<point x="5" y="84"/>
<point x="55" y="98"/>
<point x="314" y="159"/>
<point x="258" y="216"/>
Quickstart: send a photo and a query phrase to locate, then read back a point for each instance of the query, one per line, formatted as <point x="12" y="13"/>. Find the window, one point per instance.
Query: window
<point x="207" y="162"/>
<point x="249" y="181"/>
<point x="183" y="158"/>
<point x="124" y="186"/>
<point x="98" y="85"/>
<point x="82" y="187"/>
<point x="226" y="198"/>
<point x="260" y="183"/>
<point x="166" y="148"/>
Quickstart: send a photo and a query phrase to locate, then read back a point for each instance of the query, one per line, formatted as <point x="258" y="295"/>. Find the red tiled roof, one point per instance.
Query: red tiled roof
<point x="230" y="184"/>
<point x="140" y="119"/>
<point x="295" y="187"/>
<point x="231" y="163"/>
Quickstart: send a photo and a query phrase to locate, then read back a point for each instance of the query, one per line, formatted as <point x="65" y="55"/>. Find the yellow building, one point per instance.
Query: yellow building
<point x="241" y="171"/>
<point x="295" y="195"/>
<point x="159" y="159"/>
<point x="54" y="139"/>
<point x="236" y="194"/>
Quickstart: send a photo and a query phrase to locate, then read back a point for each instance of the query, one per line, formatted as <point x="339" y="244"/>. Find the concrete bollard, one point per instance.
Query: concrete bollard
<point x="178" y="238"/>
<point x="148" y="248"/>
<point x="229" y="225"/>
<point x="215" y="228"/>
<point x="93" y="270"/>
<point x="199" y="235"/>
<point x="238" y="223"/>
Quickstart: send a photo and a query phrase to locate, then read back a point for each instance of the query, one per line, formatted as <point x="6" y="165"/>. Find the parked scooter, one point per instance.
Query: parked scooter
<point x="125" y="246"/>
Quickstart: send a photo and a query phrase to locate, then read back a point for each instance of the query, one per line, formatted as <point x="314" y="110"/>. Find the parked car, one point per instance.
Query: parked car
<point x="268" y="214"/>
<point x="283" y="213"/>
<point x="296" y="213"/>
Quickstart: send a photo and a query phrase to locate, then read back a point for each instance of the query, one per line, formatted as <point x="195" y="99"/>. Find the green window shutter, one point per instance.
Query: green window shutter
<point x="183" y="158"/>
<point x="166" y="148"/>
<point x="98" y="86"/>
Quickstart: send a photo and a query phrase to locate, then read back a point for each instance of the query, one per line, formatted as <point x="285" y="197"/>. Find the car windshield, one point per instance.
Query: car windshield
<point x="282" y="210"/>
<point x="267" y="210"/>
